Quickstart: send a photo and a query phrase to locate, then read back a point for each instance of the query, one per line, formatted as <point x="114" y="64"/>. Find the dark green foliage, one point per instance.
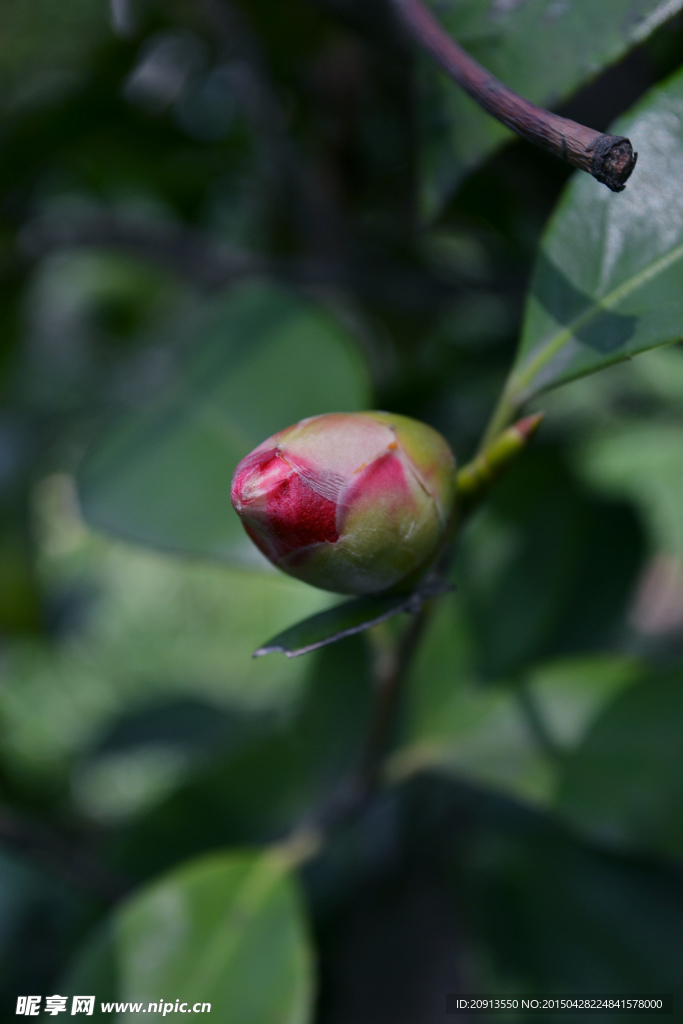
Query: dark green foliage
<point x="273" y="774"/>
<point x="623" y="783"/>
<point x="556" y="914"/>
<point x="564" y="573"/>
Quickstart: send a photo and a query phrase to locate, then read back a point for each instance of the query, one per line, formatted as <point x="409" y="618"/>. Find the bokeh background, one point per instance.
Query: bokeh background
<point x="217" y="217"/>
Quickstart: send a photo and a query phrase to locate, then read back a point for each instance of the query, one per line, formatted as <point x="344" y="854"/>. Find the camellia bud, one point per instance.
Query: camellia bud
<point x="357" y="503"/>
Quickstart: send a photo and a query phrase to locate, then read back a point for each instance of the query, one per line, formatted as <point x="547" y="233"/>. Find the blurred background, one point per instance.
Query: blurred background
<point x="217" y="217"/>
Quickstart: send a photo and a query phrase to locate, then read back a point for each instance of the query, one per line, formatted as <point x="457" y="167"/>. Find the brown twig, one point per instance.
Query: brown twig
<point x="609" y="158"/>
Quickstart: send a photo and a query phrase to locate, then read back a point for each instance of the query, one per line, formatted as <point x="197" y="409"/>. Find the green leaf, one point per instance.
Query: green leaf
<point x="543" y="51"/>
<point x="161" y="476"/>
<point x="348" y="618"/>
<point x="608" y="282"/>
<point x="624" y="784"/>
<point x="226" y="930"/>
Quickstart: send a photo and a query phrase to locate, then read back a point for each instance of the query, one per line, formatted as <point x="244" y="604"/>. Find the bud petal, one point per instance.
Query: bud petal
<point x="352" y="502"/>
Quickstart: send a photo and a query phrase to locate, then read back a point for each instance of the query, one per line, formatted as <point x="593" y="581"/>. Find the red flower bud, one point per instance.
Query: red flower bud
<point x="352" y="502"/>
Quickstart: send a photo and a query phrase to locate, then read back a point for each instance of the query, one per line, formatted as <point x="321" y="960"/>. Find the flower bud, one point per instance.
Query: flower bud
<point x="357" y="503"/>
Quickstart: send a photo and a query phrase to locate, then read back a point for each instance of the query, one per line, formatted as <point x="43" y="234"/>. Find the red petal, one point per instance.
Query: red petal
<point x="297" y="516"/>
<point x="281" y="513"/>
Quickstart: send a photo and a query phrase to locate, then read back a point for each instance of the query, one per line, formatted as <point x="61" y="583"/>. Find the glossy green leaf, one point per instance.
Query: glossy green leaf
<point x="346" y="619"/>
<point x="608" y="282"/>
<point x="161" y="476"/>
<point x="227" y="930"/>
<point x="542" y="50"/>
<point x="624" y="783"/>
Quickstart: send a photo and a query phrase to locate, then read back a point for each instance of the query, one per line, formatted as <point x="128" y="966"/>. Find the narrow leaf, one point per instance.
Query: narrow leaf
<point x="348" y="618"/>
<point x="608" y="282"/>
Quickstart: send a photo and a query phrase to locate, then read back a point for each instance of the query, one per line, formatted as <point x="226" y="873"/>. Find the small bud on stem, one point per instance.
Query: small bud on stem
<point x="476" y="479"/>
<point x="357" y="503"/>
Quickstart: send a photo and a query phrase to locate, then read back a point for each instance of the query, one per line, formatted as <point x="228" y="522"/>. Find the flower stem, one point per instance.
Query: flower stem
<point x="389" y="679"/>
